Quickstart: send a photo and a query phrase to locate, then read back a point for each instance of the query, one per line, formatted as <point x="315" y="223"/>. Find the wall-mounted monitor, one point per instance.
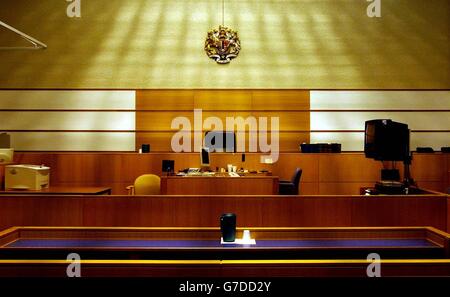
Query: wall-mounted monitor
<point x="220" y="141"/>
<point x="386" y="140"/>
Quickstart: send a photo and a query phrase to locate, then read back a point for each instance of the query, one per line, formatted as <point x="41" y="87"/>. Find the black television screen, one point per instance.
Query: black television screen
<point x="386" y="140"/>
<point x="168" y="166"/>
<point x="220" y="141"/>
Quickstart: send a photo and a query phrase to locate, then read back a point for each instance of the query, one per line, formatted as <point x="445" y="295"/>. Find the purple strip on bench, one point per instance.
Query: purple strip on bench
<point x="112" y="243"/>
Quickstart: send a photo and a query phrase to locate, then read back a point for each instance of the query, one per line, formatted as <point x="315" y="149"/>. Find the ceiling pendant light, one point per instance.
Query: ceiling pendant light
<point x="222" y="44"/>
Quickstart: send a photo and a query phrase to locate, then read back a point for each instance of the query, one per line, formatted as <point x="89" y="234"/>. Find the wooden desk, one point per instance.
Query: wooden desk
<point x="58" y="190"/>
<point x="219" y="185"/>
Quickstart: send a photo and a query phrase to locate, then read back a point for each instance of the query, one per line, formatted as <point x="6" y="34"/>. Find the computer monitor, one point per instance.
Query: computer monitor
<point x="220" y="141"/>
<point x="386" y="140"/>
<point x="168" y="166"/>
<point x="6" y="156"/>
<point x="204" y="157"/>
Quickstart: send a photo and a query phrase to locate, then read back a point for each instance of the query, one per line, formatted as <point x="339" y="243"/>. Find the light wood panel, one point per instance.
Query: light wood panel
<point x="425" y="112"/>
<point x="73" y="141"/>
<point x="277" y="100"/>
<point x="380" y="100"/>
<point x="67" y="99"/>
<point x="160" y="121"/>
<point x="69" y="120"/>
<point x="223" y="99"/>
<point x="290" y="106"/>
<point x="161" y="141"/>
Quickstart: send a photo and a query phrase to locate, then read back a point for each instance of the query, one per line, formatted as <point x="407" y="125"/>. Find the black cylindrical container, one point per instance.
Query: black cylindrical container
<point x="228" y="227"/>
<point x="145" y="148"/>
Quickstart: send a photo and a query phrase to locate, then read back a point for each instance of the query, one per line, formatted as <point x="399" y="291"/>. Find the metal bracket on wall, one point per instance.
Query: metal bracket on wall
<point x="37" y="45"/>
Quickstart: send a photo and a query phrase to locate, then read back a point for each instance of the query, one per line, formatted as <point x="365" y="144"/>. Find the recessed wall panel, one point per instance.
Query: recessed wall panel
<point x="73" y="141"/>
<point x="380" y="100"/>
<point x="67" y="99"/>
<point x="356" y="120"/>
<point x="27" y="115"/>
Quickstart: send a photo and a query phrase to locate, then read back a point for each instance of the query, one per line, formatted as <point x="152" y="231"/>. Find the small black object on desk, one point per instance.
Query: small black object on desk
<point x="228" y="227"/>
<point x="168" y="166"/>
<point x="145" y="148"/>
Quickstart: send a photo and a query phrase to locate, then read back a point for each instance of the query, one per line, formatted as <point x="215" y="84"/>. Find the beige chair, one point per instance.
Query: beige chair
<point x="147" y="184"/>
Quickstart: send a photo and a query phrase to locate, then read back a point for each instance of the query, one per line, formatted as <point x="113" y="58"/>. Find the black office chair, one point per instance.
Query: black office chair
<point x="290" y="187"/>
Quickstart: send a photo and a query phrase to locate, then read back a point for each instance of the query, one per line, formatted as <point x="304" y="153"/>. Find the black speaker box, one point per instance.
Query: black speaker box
<point x="445" y="149"/>
<point x="424" y="150"/>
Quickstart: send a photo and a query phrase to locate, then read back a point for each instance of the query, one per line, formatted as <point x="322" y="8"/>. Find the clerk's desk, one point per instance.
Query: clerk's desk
<point x="220" y="184"/>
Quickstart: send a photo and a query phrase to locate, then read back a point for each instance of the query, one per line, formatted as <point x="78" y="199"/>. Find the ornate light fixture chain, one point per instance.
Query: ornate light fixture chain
<point x="222" y="44"/>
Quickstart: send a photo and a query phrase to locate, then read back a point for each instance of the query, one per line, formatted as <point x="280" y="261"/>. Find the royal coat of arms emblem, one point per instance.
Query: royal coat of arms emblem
<point x="222" y="45"/>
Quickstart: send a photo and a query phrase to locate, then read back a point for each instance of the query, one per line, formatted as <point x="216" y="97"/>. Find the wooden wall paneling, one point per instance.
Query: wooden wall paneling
<point x="249" y="212"/>
<point x="160" y="121"/>
<point x="448" y="213"/>
<point x="347" y="167"/>
<point x="160" y="142"/>
<point x="448" y="173"/>
<point x="429" y="167"/>
<point x="252" y="211"/>
<point x="309" y="163"/>
<point x="129" y="211"/>
<point x="433" y="186"/>
<point x="221" y="104"/>
<point x="165" y="100"/>
<point x="307" y="211"/>
<point x="280" y="100"/>
<point x="309" y="188"/>
<point x="249" y="185"/>
<point x="206" y="213"/>
<point x="43" y="211"/>
<point x="223" y="99"/>
<point x="288" y="120"/>
<point x="392" y="211"/>
<point x="343" y="188"/>
<point x="322" y="173"/>
<point x="291" y="141"/>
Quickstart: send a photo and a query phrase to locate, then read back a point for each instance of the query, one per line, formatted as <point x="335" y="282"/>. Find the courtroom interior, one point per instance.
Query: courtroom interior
<point x="224" y="138"/>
